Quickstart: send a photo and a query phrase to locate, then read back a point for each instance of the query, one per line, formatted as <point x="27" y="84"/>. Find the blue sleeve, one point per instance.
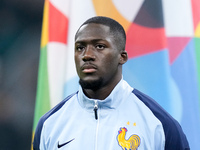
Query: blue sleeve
<point x="36" y="141"/>
<point x="175" y="139"/>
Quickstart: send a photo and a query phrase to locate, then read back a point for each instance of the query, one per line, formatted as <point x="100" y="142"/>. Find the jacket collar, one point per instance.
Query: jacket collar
<point x="118" y="94"/>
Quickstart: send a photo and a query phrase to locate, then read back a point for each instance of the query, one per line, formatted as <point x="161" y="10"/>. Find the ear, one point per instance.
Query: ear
<point x="123" y="57"/>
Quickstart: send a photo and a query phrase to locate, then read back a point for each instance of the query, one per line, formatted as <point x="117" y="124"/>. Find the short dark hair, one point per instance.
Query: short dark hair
<point x="116" y="29"/>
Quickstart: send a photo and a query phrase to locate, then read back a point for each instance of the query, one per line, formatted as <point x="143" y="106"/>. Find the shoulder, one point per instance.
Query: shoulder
<point x="37" y="135"/>
<point x="174" y="136"/>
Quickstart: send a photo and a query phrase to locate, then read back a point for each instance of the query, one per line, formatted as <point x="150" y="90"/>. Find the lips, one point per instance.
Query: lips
<point x="88" y="68"/>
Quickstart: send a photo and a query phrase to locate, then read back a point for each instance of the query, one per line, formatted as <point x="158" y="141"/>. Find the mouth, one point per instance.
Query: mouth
<point x="88" y="68"/>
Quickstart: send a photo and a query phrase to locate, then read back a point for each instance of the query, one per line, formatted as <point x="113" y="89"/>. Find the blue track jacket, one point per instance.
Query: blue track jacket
<point x="126" y="120"/>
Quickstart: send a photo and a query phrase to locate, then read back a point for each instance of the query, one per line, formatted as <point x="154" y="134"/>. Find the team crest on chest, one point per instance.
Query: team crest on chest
<point x="132" y="143"/>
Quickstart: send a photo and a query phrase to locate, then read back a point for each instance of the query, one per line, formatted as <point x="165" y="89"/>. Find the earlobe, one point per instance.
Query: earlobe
<point x="123" y="57"/>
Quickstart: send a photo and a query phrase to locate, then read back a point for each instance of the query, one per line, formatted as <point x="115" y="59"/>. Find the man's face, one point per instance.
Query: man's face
<point x="96" y="56"/>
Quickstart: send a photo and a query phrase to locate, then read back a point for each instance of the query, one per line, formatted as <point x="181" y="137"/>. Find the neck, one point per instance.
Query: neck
<point x="101" y="93"/>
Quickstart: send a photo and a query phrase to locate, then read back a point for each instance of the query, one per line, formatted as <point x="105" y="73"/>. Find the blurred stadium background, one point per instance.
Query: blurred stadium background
<point x="20" y="34"/>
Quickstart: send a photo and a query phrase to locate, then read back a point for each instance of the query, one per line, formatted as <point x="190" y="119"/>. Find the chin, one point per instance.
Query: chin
<point x="91" y="84"/>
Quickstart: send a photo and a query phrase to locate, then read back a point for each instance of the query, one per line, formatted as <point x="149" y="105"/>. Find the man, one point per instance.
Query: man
<point x="106" y="113"/>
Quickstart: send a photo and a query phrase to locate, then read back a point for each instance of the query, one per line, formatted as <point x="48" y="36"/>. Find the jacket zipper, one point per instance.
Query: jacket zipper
<point x="95" y="110"/>
<point x="97" y="128"/>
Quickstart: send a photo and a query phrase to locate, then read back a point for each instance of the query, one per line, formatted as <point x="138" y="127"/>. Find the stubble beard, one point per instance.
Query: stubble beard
<point x="92" y="85"/>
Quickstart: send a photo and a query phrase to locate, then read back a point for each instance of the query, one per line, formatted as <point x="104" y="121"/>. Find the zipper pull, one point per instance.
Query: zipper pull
<point x="95" y="110"/>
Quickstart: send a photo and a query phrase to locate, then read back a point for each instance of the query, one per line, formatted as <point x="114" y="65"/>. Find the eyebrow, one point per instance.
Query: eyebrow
<point x="92" y="41"/>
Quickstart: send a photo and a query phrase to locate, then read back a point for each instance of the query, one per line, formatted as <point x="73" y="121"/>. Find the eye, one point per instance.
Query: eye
<point x="80" y="48"/>
<point x="100" y="46"/>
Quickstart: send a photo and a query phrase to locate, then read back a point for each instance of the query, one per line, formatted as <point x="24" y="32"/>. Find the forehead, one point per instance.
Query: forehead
<point x="93" y="31"/>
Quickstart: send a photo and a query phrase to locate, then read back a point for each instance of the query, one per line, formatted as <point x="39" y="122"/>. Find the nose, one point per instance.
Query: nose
<point x="88" y="54"/>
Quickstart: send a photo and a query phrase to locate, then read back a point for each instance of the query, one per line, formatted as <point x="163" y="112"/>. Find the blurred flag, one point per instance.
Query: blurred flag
<point x="163" y="44"/>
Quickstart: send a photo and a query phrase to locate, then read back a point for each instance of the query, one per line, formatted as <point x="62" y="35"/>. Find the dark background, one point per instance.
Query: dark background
<point x="20" y="34"/>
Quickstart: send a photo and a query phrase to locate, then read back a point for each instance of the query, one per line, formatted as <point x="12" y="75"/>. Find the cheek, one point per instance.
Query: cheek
<point x="77" y="62"/>
<point x="77" y="59"/>
<point x="110" y="63"/>
<point x="112" y="60"/>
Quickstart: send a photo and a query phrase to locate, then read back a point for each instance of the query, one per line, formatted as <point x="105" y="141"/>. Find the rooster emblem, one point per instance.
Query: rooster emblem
<point x="131" y="144"/>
